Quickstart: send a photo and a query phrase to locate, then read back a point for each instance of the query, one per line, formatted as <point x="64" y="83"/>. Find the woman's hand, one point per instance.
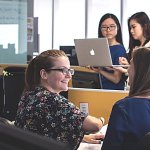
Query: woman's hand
<point x="123" y="61"/>
<point x="93" y="138"/>
<point x="95" y="69"/>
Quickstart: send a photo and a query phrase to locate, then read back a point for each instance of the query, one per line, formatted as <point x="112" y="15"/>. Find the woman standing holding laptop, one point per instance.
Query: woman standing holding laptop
<point x="110" y="28"/>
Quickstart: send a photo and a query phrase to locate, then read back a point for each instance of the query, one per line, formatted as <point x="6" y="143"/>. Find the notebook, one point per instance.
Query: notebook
<point x="94" y="52"/>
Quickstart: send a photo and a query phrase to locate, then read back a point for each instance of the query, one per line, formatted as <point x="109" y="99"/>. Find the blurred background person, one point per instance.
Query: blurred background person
<point x="130" y="117"/>
<point x="110" y="28"/>
<point x="139" y="29"/>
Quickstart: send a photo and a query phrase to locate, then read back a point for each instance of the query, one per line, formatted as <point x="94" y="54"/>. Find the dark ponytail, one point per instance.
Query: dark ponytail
<point x="30" y="75"/>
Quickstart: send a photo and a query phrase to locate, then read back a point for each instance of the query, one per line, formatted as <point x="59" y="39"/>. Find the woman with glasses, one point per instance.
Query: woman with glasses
<point x="43" y="110"/>
<point x="110" y="28"/>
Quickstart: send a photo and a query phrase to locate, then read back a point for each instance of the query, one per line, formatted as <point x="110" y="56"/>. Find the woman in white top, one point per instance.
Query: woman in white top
<point x="139" y="35"/>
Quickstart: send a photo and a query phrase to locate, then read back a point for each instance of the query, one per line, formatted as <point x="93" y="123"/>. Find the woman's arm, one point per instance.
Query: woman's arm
<point x="92" y="124"/>
<point x="93" y="138"/>
<point x="113" y="77"/>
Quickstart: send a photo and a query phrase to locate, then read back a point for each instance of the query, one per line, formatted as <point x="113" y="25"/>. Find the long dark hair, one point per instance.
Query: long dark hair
<point x="119" y="32"/>
<point x="141" y="82"/>
<point x="143" y="19"/>
<point x="43" y="61"/>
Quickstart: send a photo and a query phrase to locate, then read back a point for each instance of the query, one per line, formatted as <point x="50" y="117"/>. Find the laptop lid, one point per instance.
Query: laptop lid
<point x="93" y="52"/>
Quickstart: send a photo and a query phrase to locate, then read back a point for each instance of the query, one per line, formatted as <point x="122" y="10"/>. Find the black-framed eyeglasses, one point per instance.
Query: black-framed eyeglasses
<point x="65" y="71"/>
<point x="111" y="27"/>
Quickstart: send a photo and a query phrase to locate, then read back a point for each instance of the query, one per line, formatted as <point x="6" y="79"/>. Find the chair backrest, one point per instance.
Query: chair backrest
<point x="6" y="121"/>
<point x="13" y="138"/>
<point x="13" y="85"/>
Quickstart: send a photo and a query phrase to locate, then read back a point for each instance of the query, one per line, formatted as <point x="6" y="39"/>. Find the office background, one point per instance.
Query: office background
<point x="61" y="21"/>
<point x="48" y="24"/>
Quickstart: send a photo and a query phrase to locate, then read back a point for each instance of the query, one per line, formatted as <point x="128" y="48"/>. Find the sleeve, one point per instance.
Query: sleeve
<point x="116" y="129"/>
<point x="120" y="52"/>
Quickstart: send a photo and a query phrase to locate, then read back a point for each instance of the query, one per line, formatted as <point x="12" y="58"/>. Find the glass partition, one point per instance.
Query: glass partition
<point x="13" y="31"/>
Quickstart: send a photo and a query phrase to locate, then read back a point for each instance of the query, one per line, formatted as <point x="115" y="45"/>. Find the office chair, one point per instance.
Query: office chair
<point x="6" y="121"/>
<point x="13" y="85"/>
<point x="13" y="138"/>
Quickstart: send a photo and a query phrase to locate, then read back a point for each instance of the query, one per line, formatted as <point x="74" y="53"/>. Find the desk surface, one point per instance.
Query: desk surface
<point x="87" y="146"/>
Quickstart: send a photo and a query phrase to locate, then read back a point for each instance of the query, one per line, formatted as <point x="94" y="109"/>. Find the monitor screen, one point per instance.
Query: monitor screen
<point x="71" y="53"/>
<point x="82" y="79"/>
<point x="13" y="138"/>
<point x="14" y="75"/>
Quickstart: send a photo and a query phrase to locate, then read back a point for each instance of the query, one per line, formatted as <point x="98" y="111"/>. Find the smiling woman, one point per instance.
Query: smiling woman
<point x="43" y="110"/>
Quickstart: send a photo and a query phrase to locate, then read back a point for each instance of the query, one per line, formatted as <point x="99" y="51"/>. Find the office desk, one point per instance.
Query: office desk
<point x="97" y="102"/>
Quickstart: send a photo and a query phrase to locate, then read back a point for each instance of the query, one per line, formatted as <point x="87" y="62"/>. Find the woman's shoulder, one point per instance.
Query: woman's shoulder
<point x="118" y="50"/>
<point x="147" y="44"/>
<point x="130" y="104"/>
<point x="132" y="100"/>
<point x="117" y="47"/>
<point x="41" y="92"/>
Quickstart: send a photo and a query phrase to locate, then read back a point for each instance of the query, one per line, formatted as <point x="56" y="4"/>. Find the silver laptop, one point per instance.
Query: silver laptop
<point x="93" y="52"/>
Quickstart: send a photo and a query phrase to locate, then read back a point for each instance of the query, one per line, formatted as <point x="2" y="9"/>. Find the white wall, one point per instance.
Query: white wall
<point x="43" y="10"/>
<point x="72" y="20"/>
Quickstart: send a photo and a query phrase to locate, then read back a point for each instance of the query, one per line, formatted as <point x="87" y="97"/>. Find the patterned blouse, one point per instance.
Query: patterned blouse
<point x="50" y="114"/>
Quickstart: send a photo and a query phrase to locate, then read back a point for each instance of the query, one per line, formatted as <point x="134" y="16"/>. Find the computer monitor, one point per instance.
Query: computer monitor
<point x="1" y="95"/>
<point x="13" y="85"/>
<point x="13" y="138"/>
<point x="71" y="53"/>
<point x="82" y="79"/>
